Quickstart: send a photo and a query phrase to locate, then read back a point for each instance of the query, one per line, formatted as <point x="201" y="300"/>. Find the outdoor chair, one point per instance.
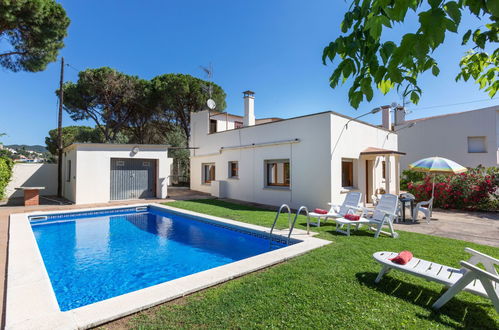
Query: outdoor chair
<point x="469" y="277"/>
<point x="383" y="215"/>
<point x="425" y="207"/>
<point x="352" y="200"/>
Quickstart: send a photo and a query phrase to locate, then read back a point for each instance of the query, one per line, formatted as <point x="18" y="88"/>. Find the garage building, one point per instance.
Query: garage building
<point x="102" y="172"/>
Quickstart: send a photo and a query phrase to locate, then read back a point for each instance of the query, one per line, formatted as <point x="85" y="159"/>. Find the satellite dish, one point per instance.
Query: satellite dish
<point x="211" y="104"/>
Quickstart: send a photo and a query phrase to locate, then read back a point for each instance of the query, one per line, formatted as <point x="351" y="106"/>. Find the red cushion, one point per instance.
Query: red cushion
<point x="320" y="211"/>
<point x="353" y="217"/>
<point x="402" y="258"/>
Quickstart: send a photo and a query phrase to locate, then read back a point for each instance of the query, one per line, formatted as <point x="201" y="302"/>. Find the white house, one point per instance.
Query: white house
<point x="469" y="138"/>
<point x="100" y="172"/>
<point x="308" y="160"/>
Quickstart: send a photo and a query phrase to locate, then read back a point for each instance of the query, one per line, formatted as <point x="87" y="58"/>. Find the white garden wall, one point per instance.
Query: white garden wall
<point x="33" y="175"/>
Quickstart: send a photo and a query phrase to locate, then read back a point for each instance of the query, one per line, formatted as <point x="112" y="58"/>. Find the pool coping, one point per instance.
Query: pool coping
<point x="31" y="302"/>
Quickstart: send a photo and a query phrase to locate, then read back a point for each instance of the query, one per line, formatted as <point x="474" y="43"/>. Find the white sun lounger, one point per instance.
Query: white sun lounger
<point x="351" y="202"/>
<point x="469" y="278"/>
<point x="383" y="215"/>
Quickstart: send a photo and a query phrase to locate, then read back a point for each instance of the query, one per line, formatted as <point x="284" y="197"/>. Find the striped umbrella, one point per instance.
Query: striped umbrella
<point x="437" y="165"/>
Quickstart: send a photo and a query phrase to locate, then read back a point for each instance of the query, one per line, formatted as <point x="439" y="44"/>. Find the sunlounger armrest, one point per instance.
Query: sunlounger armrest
<point x="481" y="256"/>
<point x="480" y="271"/>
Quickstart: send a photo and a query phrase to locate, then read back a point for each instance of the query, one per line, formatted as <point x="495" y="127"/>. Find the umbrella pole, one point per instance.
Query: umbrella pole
<point x="433" y="186"/>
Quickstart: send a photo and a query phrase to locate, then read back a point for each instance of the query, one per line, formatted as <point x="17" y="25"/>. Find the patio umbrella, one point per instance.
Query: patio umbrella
<point x="437" y="165"/>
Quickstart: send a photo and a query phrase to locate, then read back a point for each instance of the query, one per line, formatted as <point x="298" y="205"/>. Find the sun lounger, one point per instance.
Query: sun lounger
<point x="469" y="277"/>
<point x="352" y="200"/>
<point x="383" y="215"/>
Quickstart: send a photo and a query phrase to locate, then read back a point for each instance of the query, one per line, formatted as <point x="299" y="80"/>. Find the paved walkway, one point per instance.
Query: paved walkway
<point x="476" y="227"/>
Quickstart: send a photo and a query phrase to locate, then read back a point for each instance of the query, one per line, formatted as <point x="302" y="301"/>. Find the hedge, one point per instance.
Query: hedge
<point x="476" y="189"/>
<point x="6" y="166"/>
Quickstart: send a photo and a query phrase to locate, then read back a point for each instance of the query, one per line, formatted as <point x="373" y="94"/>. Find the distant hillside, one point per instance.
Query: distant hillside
<point x="36" y="148"/>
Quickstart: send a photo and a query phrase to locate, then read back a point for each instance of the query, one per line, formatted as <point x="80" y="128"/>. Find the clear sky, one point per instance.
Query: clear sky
<point x="271" y="47"/>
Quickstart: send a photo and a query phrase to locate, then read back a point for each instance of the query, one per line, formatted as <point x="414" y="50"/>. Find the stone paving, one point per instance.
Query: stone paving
<point x="476" y="227"/>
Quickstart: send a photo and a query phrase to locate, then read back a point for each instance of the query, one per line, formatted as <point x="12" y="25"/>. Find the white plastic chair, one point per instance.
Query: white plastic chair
<point x="469" y="277"/>
<point x="383" y="215"/>
<point x="425" y="207"/>
<point x="352" y="200"/>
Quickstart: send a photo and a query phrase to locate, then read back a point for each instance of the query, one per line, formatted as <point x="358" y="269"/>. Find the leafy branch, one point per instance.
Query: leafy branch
<point x="373" y="63"/>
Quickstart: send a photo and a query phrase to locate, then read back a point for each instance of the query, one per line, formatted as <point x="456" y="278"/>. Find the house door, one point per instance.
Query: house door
<point x="132" y="178"/>
<point x="369" y="180"/>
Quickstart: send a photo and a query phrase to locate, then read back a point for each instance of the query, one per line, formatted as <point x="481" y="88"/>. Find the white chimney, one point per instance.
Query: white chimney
<point x="249" y="108"/>
<point x="387" y="118"/>
<point x="399" y="115"/>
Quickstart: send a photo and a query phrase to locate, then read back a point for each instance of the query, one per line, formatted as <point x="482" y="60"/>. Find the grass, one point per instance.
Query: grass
<point x="331" y="287"/>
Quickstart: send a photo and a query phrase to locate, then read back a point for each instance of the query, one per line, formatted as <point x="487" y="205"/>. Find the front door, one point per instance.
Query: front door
<point x="132" y="178"/>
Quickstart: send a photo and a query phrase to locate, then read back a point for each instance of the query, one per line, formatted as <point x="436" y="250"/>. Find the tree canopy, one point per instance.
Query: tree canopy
<point x="371" y="61"/>
<point x="72" y="134"/>
<point x="129" y="109"/>
<point x="107" y="97"/>
<point x="177" y="95"/>
<point x="33" y="32"/>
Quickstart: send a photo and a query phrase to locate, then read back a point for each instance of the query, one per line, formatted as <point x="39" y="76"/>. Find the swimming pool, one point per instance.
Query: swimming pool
<point x="90" y="257"/>
<point x="115" y="261"/>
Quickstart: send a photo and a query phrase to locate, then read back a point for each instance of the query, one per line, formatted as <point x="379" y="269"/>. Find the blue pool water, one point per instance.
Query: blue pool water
<point x="92" y="257"/>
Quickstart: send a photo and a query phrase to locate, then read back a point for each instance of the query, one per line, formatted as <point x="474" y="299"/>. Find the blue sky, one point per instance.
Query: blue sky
<point x="271" y="47"/>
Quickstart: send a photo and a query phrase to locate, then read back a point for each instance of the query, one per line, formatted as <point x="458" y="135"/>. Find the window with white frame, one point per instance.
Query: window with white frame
<point x="208" y="173"/>
<point x="278" y="173"/>
<point x="233" y="169"/>
<point x="476" y="144"/>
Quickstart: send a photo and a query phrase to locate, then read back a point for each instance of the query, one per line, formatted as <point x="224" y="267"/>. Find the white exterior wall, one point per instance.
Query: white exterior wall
<point x="32" y="175"/>
<point x="315" y="168"/>
<point x="92" y="170"/>
<point x="355" y="139"/>
<point x="223" y="124"/>
<point x="307" y="156"/>
<point x="447" y="136"/>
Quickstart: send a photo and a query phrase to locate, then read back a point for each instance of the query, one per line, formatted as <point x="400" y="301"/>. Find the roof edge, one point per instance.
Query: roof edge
<point x="115" y="145"/>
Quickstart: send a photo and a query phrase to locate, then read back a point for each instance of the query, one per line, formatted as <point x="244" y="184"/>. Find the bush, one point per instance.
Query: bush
<point x="6" y="165"/>
<point x="410" y="176"/>
<point x="477" y="189"/>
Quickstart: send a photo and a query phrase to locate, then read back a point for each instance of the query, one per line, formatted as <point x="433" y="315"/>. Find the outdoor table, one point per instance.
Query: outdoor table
<point x="31" y="195"/>
<point x="403" y="201"/>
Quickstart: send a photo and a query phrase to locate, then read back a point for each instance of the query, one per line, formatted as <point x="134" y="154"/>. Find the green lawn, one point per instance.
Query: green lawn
<point x="331" y="287"/>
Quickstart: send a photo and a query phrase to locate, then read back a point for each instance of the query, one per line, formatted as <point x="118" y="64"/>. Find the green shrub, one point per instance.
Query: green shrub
<point x="6" y="165"/>
<point x="410" y="176"/>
